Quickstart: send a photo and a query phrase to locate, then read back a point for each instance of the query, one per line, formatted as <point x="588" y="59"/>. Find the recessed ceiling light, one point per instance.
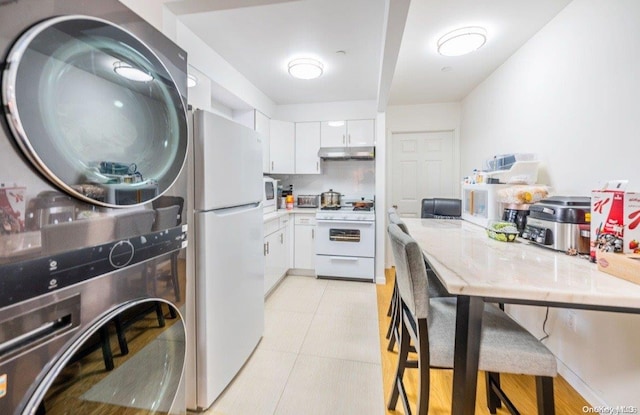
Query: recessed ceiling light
<point x="335" y="123"/>
<point x="130" y="72"/>
<point x="305" y="68"/>
<point x="462" y="41"/>
<point x="192" y="81"/>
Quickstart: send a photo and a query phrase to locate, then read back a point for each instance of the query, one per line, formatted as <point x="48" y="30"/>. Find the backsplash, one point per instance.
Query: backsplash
<point x="352" y="178"/>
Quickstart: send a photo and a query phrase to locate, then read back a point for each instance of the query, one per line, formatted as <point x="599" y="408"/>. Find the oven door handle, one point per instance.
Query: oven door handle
<point x="350" y="222"/>
<point x="343" y="258"/>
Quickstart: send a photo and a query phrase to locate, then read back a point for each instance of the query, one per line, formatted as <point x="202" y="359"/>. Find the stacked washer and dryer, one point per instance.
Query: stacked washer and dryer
<point x="92" y="146"/>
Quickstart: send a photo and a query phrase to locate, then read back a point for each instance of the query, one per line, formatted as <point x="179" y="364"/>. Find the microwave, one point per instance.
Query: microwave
<point x="270" y="194"/>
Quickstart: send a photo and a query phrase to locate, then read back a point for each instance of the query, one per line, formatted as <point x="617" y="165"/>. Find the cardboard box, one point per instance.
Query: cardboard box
<point x="12" y="205"/>
<point x="625" y="266"/>
<point x="607" y="218"/>
<point x="631" y="232"/>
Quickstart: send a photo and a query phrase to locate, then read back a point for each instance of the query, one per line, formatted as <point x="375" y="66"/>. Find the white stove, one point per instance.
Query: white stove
<point x="346" y="214"/>
<point x="345" y="243"/>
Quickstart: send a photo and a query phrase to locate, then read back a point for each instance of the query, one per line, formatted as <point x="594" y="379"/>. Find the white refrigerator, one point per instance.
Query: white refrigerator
<point x="229" y="262"/>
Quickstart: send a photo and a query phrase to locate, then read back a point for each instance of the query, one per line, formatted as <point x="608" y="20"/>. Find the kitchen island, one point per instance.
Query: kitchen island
<point x="479" y="269"/>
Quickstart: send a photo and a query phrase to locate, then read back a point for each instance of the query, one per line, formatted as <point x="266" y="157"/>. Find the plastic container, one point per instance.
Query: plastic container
<point x="502" y="231"/>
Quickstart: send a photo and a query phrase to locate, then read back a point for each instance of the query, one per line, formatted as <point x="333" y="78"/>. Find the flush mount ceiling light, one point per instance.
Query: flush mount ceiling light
<point x="305" y="68"/>
<point x="335" y="123"/>
<point x="462" y="41"/>
<point x="130" y="72"/>
<point x="192" y="81"/>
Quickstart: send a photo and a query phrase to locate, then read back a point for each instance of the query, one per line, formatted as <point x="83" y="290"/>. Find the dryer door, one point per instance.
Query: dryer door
<point x="131" y="361"/>
<point x="95" y="111"/>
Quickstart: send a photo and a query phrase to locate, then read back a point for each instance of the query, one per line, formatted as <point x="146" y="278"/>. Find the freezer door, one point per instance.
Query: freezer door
<point x="228" y="162"/>
<point x="229" y="295"/>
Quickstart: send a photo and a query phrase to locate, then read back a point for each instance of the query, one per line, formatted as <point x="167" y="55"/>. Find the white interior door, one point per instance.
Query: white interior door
<point x="422" y="167"/>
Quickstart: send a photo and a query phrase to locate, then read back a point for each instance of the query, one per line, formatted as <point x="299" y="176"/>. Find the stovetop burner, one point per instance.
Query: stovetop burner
<point x="330" y="207"/>
<point x="362" y="208"/>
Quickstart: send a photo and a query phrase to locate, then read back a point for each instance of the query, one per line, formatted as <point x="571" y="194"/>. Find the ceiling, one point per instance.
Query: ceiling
<point x="372" y="49"/>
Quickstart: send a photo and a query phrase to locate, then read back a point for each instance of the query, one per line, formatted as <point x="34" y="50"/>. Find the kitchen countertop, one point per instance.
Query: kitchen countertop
<point x="468" y="262"/>
<point x="283" y="212"/>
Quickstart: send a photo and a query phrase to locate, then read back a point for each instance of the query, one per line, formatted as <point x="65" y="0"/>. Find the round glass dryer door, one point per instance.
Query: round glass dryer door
<point x="95" y="110"/>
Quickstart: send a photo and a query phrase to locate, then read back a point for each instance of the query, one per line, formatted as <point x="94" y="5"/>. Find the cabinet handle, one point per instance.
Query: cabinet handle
<point x="281" y="238"/>
<point x="272" y="165"/>
<point x="313" y="234"/>
<point x="264" y="249"/>
<point x="317" y="166"/>
<point x="344" y="140"/>
<point x="267" y="248"/>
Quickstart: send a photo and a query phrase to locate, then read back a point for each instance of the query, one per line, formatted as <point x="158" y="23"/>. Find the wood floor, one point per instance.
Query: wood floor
<point x="520" y="389"/>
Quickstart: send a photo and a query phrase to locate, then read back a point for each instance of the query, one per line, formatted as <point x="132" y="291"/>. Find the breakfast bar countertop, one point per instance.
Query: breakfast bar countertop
<point x="468" y="262"/>
<point x="478" y="269"/>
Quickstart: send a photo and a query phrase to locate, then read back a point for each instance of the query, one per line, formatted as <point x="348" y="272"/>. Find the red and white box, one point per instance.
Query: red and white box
<point x="607" y="218"/>
<point x="12" y="205"/>
<point x="631" y="237"/>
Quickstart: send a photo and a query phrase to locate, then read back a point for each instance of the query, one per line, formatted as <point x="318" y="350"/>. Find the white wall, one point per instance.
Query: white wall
<point x="570" y="95"/>
<point x="417" y="118"/>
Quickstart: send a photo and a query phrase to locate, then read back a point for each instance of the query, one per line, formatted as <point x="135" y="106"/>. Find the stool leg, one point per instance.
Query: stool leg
<point x="493" y="401"/>
<point x="107" y="356"/>
<point x="544" y="393"/>
<point x="423" y="366"/>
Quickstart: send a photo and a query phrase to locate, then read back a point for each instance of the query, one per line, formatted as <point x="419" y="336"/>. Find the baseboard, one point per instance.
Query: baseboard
<point x="579" y="385"/>
<point x="302" y="272"/>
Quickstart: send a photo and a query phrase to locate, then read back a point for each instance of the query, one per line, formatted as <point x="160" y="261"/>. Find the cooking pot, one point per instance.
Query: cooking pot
<point x="362" y="203"/>
<point x="330" y="198"/>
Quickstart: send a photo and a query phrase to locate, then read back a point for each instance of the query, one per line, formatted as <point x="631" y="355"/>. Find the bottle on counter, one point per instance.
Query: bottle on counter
<point x="289" y="202"/>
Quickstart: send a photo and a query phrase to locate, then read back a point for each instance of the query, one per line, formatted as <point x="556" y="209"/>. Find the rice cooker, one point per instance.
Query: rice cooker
<point x="561" y="223"/>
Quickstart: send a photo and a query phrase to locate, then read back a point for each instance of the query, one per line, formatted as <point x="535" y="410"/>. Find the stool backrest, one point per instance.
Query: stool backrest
<point x="135" y="223"/>
<point x="166" y="217"/>
<point x="440" y="206"/>
<point x="411" y="271"/>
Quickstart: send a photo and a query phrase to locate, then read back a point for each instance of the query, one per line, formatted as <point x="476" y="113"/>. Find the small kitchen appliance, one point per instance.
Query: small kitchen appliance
<point x="308" y="201"/>
<point x="560" y="223"/>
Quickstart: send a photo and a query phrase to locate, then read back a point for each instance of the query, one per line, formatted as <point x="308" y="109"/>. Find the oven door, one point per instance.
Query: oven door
<point x="345" y="238"/>
<point x="95" y="111"/>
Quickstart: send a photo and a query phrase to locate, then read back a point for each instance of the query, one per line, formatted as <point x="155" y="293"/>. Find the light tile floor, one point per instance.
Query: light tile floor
<point x="320" y="353"/>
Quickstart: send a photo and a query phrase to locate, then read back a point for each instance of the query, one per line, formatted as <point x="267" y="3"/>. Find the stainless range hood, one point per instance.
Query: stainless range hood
<point x="347" y="153"/>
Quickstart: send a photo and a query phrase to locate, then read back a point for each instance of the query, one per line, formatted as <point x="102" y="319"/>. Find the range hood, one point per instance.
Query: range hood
<point x="347" y="153"/>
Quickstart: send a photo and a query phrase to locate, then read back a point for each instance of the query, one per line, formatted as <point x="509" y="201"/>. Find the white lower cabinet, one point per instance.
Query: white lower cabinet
<point x="276" y="252"/>
<point x="304" y="252"/>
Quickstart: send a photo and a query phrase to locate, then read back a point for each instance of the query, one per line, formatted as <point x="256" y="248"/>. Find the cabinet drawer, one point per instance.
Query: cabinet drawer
<point x="271" y="226"/>
<point x="304" y="219"/>
<point x="345" y="267"/>
<point x="284" y="221"/>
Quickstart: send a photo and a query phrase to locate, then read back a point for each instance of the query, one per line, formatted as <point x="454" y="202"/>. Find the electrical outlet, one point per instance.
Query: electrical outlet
<point x="571" y="320"/>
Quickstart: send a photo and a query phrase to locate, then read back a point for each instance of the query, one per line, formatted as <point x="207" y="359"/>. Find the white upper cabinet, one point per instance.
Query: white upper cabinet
<point x="281" y="148"/>
<point x="351" y="133"/>
<point x="333" y="134"/>
<point x="360" y="133"/>
<point x="262" y="126"/>
<point x="307" y="144"/>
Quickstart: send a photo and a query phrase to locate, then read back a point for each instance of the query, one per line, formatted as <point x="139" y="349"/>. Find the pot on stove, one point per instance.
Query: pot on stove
<point x="330" y="199"/>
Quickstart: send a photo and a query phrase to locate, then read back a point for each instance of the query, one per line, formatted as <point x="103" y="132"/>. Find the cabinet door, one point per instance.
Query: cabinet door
<point x="306" y="148"/>
<point x="271" y="263"/>
<point x="262" y="127"/>
<point x="304" y="250"/>
<point x="333" y="134"/>
<point x="281" y="148"/>
<point x="360" y="133"/>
